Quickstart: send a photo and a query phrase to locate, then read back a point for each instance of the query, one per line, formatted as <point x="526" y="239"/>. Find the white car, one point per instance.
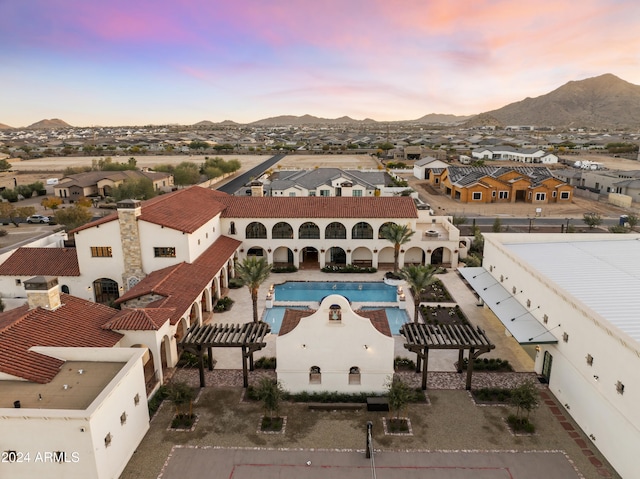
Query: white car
<point x="38" y="219"/>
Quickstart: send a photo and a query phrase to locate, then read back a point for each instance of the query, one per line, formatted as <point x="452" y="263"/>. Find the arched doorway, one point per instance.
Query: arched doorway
<point x="283" y="257"/>
<point x="337" y="256"/>
<point x="414" y="256"/>
<point x="105" y="291"/>
<point x="165" y="351"/>
<point x="437" y="256"/>
<point x="310" y="257"/>
<point x="150" y="378"/>
<point x="362" y="256"/>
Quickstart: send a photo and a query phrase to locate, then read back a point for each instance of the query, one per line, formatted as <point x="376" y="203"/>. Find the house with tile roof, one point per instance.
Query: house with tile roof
<point x="487" y="184"/>
<point x="522" y="155"/>
<point x="308" y="340"/>
<point x="102" y="183"/>
<point x="327" y="182"/>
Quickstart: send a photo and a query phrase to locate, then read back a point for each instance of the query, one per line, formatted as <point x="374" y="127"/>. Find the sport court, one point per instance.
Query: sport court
<point x="210" y="462"/>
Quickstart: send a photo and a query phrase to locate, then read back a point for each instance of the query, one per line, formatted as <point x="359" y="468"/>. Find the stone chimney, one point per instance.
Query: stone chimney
<point x="128" y="212"/>
<point x="257" y="189"/>
<point x="43" y="292"/>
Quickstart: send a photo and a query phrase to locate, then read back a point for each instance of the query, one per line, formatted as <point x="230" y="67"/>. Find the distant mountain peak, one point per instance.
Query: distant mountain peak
<point x="53" y="123"/>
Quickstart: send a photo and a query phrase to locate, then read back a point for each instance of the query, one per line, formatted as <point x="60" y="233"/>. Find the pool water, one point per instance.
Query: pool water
<point x="365" y="292"/>
<point x="396" y="316"/>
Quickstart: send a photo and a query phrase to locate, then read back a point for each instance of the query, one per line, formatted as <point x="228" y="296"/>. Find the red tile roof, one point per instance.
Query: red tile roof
<point x="41" y="262"/>
<point x="77" y="323"/>
<point x="149" y="319"/>
<point x="292" y="318"/>
<point x="318" y="207"/>
<point x="180" y="285"/>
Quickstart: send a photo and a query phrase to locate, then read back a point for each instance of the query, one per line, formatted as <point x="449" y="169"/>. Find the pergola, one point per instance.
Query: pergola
<point x="248" y="336"/>
<point x="422" y="337"/>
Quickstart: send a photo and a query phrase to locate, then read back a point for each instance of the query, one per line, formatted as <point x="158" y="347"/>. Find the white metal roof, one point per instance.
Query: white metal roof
<point x="603" y="275"/>
<point x="517" y="319"/>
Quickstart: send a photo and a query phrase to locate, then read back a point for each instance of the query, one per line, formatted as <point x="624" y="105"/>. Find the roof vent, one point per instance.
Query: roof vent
<point x="65" y="387"/>
<point x="16" y="404"/>
<point x="80" y="371"/>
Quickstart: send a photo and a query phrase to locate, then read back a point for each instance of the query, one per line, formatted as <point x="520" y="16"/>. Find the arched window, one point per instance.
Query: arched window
<point x="282" y="230"/>
<point x="64" y="288"/>
<point x="256" y="230"/>
<point x="335" y="230"/>
<point x="105" y="290"/>
<point x="309" y="230"/>
<point x="354" y="375"/>
<point x="315" y="376"/>
<point x="362" y="230"/>
<point x="388" y="223"/>
<point x="335" y="313"/>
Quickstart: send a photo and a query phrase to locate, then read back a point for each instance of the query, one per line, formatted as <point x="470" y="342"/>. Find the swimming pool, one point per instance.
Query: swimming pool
<point x="396" y="317"/>
<point x="363" y="292"/>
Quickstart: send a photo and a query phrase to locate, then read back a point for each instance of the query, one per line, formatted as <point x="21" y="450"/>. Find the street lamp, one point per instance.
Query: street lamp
<point x="566" y="230"/>
<point x="530" y="222"/>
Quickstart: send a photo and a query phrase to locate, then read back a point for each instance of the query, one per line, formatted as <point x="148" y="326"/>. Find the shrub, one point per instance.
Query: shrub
<point x="3" y="233"/>
<point x="520" y="424"/>
<point x="498" y="395"/>
<point x="284" y="269"/>
<point x="223" y="304"/>
<point x="348" y="268"/>
<point x="235" y="283"/>
<point x="403" y="363"/>
<point x="265" y="363"/>
<point x="489" y="364"/>
<point x="154" y="403"/>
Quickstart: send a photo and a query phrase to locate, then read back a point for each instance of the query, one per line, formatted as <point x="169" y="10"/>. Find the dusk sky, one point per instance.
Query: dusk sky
<point x="137" y="62"/>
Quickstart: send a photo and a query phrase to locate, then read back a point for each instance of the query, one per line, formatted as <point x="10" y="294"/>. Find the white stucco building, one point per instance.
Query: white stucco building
<point x="528" y="155"/>
<point x="335" y="349"/>
<point x="575" y="297"/>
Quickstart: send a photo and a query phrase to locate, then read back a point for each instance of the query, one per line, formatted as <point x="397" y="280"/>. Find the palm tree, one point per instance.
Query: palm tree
<point x="398" y="235"/>
<point x="253" y="272"/>
<point x="418" y="277"/>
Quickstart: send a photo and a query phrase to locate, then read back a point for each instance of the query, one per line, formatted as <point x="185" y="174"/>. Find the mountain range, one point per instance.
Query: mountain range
<point x="605" y="101"/>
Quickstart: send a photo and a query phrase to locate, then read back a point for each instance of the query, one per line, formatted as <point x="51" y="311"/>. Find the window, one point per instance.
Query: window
<point x="335" y="230"/>
<point x="325" y="193"/>
<point x="64" y="288"/>
<point x="105" y="290"/>
<point x="164" y="252"/>
<point x="335" y="313"/>
<point x="354" y="375"/>
<point x="589" y="360"/>
<point x="493" y="194"/>
<point x="503" y="195"/>
<point x="554" y="194"/>
<point x="620" y="387"/>
<point x="282" y="230"/>
<point x="292" y="193"/>
<point x="315" y="376"/>
<point x="564" y="195"/>
<point x="232" y="228"/>
<point x="256" y="230"/>
<point x="477" y="195"/>
<point x="309" y="230"/>
<point x="123" y="418"/>
<point x="101" y="252"/>
<point x="541" y="196"/>
<point x="136" y="399"/>
<point x="312" y="193"/>
<point x="18" y="282"/>
<point x="107" y="440"/>
<point x="357" y="192"/>
<point x="362" y="230"/>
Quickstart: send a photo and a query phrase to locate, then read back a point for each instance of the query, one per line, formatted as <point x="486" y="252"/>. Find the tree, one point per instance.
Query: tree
<point x="179" y="394"/>
<point x="592" y="219"/>
<point x="73" y="217"/>
<point x="525" y="398"/>
<point x="418" y="277"/>
<point x="51" y="202"/>
<point x="5" y="165"/>
<point x="138" y="189"/>
<point x="270" y="392"/>
<point x="458" y="220"/>
<point x="398" y="235"/>
<point x="633" y="221"/>
<point x="186" y="173"/>
<point x="399" y="395"/>
<point x="497" y="225"/>
<point x="24" y="211"/>
<point x="253" y="271"/>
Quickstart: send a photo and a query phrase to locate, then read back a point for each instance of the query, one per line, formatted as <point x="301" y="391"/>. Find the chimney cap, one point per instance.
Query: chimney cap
<point x="40" y="283"/>
<point x="129" y="204"/>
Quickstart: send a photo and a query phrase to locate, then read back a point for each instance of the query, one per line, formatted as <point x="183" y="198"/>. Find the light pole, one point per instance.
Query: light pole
<point x="530" y="222"/>
<point x="566" y="230"/>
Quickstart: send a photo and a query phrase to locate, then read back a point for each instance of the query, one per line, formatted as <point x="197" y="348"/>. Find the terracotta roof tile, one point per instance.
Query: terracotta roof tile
<point x="41" y="262"/>
<point x="291" y="319"/>
<point x="318" y="207"/>
<point x="77" y="323"/>
<point x="378" y="318"/>
<point x="180" y="285"/>
<point x="148" y="319"/>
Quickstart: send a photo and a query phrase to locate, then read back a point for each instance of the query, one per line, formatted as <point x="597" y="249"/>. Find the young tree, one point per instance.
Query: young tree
<point x="270" y="392"/>
<point x="458" y="220"/>
<point x="398" y="235"/>
<point x="186" y="173"/>
<point x="497" y="225"/>
<point x="51" y="202"/>
<point x="418" y="277"/>
<point x="592" y="219"/>
<point x="525" y="398"/>
<point x="399" y="395"/>
<point x="253" y="271"/>
<point x="24" y="211"/>
<point x="180" y="394"/>
<point x="633" y="221"/>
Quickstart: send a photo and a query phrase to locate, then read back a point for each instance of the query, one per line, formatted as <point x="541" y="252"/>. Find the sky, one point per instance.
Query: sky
<point x="140" y="62"/>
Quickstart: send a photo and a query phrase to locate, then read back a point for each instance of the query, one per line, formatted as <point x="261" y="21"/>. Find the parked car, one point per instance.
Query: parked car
<point x="52" y="220"/>
<point x="38" y="219"/>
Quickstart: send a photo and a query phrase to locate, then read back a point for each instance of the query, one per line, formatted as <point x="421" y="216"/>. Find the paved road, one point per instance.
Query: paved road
<point x="543" y="221"/>
<point x="235" y="184"/>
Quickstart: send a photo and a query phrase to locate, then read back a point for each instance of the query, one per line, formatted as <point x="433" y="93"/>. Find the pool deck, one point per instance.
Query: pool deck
<point x="440" y="360"/>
